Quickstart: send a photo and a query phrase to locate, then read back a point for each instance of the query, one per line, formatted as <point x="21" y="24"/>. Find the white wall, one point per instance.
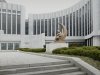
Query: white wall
<point x="26" y="41"/>
<point x="33" y="41"/>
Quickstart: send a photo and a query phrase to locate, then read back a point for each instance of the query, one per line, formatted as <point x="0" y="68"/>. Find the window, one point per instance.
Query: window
<point x="91" y="18"/>
<point x="10" y="46"/>
<point x="26" y="28"/>
<point x="67" y="24"/>
<point x="34" y="27"/>
<point x="80" y="23"/>
<point x="9" y="11"/>
<point x="63" y="20"/>
<point x="49" y="27"/>
<point x="14" y="11"/>
<point x="56" y="25"/>
<point x="53" y="26"/>
<point x="4" y="22"/>
<point x="3" y="10"/>
<point x="86" y="19"/>
<point x="60" y="21"/>
<point x="38" y="26"/>
<point x="42" y="26"/>
<point x="18" y="24"/>
<point x="13" y="24"/>
<point x="77" y="22"/>
<point x="3" y="46"/>
<point x="45" y="27"/>
<point x="9" y="24"/>
<point x="16" y="46"/>
<point x="18" y="12"/>
<point x="83" y="20"/>
<point x="71" y="24"/>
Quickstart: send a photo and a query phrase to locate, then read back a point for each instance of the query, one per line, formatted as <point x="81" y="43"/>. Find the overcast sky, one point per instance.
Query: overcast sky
<point x="43" y="6"/>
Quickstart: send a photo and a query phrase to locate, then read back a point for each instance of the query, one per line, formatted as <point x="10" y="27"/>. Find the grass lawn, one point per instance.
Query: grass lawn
<point x="91" y="61"/>
<point x="89" y="54"/>
<point x="94" y="63"/>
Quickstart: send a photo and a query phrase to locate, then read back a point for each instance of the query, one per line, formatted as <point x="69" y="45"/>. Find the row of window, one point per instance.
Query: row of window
<point x="9" y="46"/>
<point x="10" y="23"/>
<point x="10" y="11"/>
<point x="89" y="42"/>
<point x="78" y="23"/>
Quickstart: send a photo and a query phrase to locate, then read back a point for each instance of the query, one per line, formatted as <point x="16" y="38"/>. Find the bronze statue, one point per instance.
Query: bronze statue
<point x="61" y="35"/>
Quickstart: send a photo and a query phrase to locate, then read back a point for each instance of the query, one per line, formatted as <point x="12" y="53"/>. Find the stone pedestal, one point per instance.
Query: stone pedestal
<point x="50" y="47"/>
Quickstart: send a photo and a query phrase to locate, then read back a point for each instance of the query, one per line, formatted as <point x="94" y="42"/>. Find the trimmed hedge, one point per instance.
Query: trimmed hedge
<point x="37" y="50"/>
<point x="92" y="52"/>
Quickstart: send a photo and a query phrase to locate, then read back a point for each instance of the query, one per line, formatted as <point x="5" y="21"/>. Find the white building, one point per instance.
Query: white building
<point x="12" y="29"/>
<point x="81" y="20"/>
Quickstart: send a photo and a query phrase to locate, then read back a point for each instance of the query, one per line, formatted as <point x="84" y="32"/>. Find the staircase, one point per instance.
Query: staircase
<point x="51" y="68"/>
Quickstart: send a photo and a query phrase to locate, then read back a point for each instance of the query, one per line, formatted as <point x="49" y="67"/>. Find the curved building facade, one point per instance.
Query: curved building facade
<point x="81" y="20"/>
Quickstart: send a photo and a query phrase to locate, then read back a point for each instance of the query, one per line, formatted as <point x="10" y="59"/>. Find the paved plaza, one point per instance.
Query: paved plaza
<point x="17" y="58"/>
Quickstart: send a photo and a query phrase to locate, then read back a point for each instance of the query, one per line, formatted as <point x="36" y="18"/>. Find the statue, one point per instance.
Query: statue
<point x="61" y="35"/>
<point x="59" y="40"/>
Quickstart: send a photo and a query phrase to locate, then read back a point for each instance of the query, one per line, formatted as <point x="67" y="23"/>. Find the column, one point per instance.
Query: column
<point x="6" y="21"/>
<point x="69" y="24"/>
<point x="82" y="22"/>
<point x="11" y="21"/>
<point x="16" y="22"/>
<point x="96" y="22"/>
<point x="96" y="41"/>
<point x="1" y="19"/>
<point x="87" y="19"/>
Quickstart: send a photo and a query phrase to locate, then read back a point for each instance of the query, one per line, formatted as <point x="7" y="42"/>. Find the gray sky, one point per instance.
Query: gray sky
<point x="43" y="6"/>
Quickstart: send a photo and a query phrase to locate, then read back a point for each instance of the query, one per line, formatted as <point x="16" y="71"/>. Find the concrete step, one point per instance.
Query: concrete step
<point x="32" y="65"/>
<point x="75" y="73"/>
<point x="34" y="69"/>
<point x="51" y="72"/>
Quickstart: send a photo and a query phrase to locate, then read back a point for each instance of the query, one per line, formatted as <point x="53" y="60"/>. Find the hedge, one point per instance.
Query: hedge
<point x="92" y="52"/>
<point x="32" y="50"/>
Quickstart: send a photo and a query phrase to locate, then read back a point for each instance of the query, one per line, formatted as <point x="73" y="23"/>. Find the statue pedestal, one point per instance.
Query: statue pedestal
<point x="50" y="47"/>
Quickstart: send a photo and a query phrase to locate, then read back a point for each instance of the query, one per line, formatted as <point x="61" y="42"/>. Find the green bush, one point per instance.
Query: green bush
<point x="75" y="45"/>
<point x="32" y="50"/>
<point x="92" y="52"/>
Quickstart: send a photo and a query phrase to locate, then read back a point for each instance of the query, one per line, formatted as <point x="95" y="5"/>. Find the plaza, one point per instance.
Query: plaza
<point x="9" y="58"/>
<point x="18" y="34"/>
